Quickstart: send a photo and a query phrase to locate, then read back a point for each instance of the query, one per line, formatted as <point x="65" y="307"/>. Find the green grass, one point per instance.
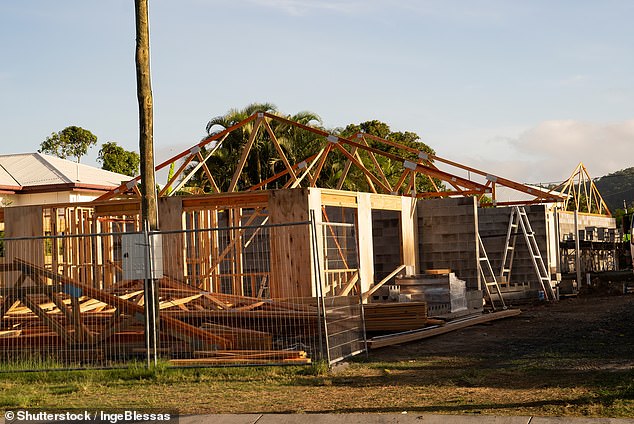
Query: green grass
<point x="434" y="384"/>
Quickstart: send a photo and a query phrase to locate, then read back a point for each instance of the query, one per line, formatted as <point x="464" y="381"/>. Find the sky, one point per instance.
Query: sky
<point x="521" y="89"/>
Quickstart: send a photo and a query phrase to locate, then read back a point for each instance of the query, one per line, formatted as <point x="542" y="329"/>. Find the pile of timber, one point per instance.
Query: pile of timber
<point x="44" y="314"/>
<point x="395" y="316"/>
<point x="253" y="357"/>
<point x="423" y="333"/>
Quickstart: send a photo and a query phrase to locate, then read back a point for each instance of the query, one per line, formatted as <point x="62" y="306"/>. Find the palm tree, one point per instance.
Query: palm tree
<point x="263" y="160"/>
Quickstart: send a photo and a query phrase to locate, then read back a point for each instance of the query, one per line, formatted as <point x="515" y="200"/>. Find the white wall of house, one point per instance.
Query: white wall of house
<point x="47" y="198"/>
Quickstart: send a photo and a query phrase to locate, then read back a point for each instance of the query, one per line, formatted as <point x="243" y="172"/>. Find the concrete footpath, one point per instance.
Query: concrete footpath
<point x="409" y="418"/>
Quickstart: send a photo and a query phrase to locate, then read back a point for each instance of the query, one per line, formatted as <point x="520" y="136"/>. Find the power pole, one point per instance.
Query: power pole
<point x="149" y="213"/>
<point x="146" y="120"/>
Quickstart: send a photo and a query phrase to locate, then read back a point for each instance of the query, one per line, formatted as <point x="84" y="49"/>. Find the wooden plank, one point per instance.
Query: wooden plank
<point x="81" y="330"/>
<point x="178" y="173"/>
<point x="173" y="326"/>
<point x="378" y="285"/>
<point x="236" y="239"/>
<point x="363" y="169"/>
<point x="367" y="177"/>
<point x="227" y="200"/>
<point x="346" y="199"/>
<point x="346" y="169"/>
<point x="320" y="165"/>
<point x="118" y="208"/>
<point x="177" y="302"/>
<point x="245" y="153"/>
<point x="220" y="361"/>
<point x="377" y="342"/>
<point x="50" y="322"/>
<point x="386" y="202"/>
<point x="352" y="281"/>
<point x="409" y="233"/>
<point x="395" y="316"/>
<point x="280" y="152"/>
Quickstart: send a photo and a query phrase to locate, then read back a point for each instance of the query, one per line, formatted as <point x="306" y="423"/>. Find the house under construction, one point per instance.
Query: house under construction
<point x="282" y="275"/>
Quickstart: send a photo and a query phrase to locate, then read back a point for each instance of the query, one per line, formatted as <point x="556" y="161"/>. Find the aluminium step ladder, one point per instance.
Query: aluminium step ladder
<point x="488" y="277"/>
<point x="519" y="221"/>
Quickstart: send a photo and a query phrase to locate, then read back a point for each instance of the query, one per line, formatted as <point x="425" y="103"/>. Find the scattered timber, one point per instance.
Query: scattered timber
<point x="44" y="313"/>
<point x="392" y="339"/>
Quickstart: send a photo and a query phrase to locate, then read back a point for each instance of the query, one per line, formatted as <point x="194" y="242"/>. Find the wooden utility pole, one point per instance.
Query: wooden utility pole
<point x="149" y="213"/>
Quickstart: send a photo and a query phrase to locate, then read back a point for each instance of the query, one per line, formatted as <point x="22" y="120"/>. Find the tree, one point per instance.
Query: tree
<point x="225" y="160"/>
<point x="116" y="159"/>
<point x="71" y="141"/>
<point x="392" y="170"/>
<point x="263" y="161"/>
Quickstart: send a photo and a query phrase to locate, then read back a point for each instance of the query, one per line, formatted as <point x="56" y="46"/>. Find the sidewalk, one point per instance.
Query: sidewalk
<point x="411" y="418"/>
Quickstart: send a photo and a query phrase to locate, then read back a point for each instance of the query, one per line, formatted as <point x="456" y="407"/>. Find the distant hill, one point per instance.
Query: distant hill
<point x="616" y="187"/>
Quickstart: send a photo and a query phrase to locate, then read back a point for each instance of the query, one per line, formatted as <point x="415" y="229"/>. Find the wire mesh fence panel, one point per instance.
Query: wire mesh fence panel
<point x="65" y="303"/>
<point x="246" y="294"/>
<point x="344" y="324"/>
<point x="253" y="304"/>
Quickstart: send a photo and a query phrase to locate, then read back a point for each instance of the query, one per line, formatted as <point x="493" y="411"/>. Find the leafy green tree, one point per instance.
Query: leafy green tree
<point x="392" y="170"/>
<point x="116" y="159"/>
<point x="297" y="145"/>
<point x="72" y="141"/>
<point x="263" y="161"/>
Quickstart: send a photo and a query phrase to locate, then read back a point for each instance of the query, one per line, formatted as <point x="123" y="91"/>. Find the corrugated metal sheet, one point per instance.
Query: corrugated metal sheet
<point x="36" y="169"/>
<point x="6" y="180"/>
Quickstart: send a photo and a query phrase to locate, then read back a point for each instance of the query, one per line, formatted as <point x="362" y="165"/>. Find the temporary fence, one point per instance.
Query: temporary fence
<point x="199" y="297"/>
<point x="342" y="302"/>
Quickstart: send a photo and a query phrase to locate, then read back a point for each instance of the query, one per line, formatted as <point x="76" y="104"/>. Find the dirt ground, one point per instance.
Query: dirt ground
<point x="597" y="331"/>
<point x="574" y="357"/>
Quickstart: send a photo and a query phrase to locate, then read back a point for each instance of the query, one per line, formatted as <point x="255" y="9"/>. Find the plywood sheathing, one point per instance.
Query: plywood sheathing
<point x="291" y="264"/>
<point x="171" y="218"/>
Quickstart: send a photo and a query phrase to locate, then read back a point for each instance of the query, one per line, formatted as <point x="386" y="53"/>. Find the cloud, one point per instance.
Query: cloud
<point x="551" y="150"/>
<point x="482" y="11"/>
<point x="304" y="7"/>
<point x="559" y="145"/>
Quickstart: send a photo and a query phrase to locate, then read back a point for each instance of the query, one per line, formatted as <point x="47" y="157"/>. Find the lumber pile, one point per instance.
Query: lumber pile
<point x="395" y="316"/>
<point x="392" y="339"/>
<point x="47" y="314"/>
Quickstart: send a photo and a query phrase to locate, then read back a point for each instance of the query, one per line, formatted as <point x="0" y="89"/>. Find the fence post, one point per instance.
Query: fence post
<point x="323" y="332"/>
<point x="150" y="302"/>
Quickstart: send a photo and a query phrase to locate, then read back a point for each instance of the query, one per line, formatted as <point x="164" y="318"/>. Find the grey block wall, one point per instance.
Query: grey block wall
<point x="493" y="225"/>
<point x="447" y="237"/>
<point x="567" y="223"/>
<point x="387" y="243"/>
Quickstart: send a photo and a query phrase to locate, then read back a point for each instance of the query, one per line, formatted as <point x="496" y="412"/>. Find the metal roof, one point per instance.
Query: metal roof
<point x="32" y="170"/>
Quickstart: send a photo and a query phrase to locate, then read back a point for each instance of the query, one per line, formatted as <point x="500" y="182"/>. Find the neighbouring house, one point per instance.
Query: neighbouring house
<point x="36" y="179"/>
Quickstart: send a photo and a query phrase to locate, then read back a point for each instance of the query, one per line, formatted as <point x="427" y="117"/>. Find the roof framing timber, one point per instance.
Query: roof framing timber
<point x="307" y="171"/>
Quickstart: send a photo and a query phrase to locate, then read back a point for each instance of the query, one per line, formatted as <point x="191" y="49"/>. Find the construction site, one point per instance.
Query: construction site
<point x="285" y="271"/>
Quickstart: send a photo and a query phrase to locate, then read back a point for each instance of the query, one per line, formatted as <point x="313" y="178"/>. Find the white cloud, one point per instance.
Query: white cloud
<point x="482" y="11"/>
<point x="550" y="151"/>
<point x="303" y="7"/>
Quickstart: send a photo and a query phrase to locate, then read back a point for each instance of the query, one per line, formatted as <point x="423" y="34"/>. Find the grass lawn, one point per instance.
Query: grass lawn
<point x="571" y="358"/>
<point x="434" y="385"/>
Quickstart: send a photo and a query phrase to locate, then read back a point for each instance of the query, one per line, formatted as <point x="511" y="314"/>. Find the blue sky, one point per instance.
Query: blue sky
<point x="522" y="89"/>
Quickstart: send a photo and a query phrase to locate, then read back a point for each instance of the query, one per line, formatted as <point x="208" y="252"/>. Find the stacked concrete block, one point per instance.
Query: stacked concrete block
<point x="386" y="240"/>
<point x="437" y="290"/>
<point x="588" y="225"/>
<point x="447" y="237"/>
